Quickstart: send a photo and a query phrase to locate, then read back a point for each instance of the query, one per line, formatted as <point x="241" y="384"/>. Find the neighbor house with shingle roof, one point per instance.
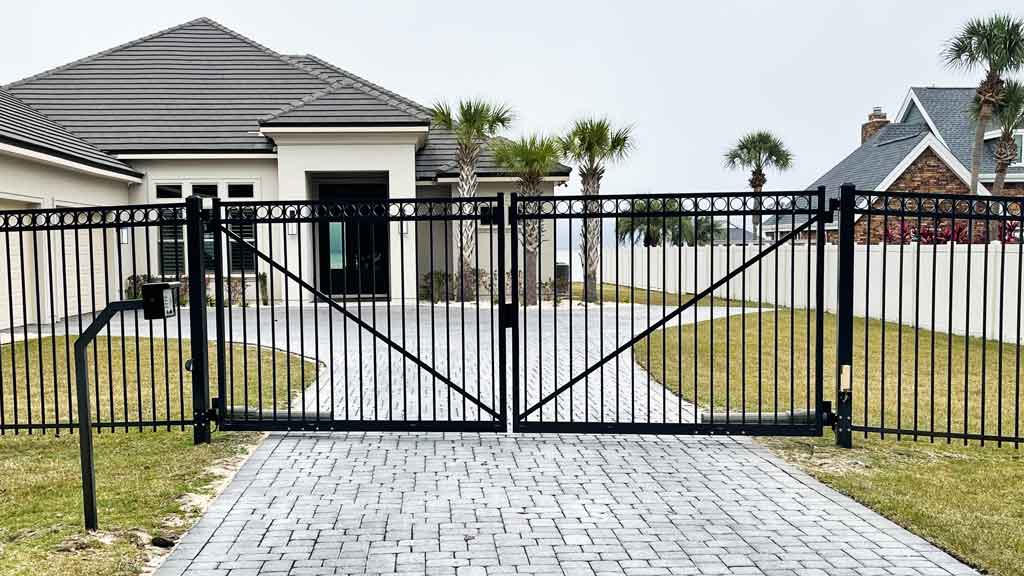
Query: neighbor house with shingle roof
<point x="926" y="148"/>
<point x="201" y="109"/>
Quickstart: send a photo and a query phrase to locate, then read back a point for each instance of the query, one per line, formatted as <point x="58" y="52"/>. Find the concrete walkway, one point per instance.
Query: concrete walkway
<point x="488" y="504"/>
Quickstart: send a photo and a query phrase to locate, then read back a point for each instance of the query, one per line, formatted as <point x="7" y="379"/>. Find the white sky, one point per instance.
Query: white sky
<point x="691" y="77"/>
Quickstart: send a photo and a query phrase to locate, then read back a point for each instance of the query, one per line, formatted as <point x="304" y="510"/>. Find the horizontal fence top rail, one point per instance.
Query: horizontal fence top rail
<point x="92" y="217"/>
<point x="667" y="205"/>
<point x="910" y="205"/>
<point x="392" y="210"/>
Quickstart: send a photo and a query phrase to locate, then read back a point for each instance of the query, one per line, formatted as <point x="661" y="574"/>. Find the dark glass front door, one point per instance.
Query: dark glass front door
<point x="353" y="254"/>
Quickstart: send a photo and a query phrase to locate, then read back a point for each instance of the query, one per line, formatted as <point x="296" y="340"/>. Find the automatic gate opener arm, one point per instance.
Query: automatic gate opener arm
<point x="84" y="416"/>
<point x="665" y="319"/>
<point x="359" y="321"/>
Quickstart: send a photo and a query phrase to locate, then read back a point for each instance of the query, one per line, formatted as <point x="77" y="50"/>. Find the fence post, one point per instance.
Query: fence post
<point x="197" y="319"/>
<point x="504" y="313"/>
<point x="844" y="343"/>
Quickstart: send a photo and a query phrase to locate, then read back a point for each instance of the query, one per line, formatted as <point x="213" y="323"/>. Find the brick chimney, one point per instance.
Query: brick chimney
<point x="875" y="122"/>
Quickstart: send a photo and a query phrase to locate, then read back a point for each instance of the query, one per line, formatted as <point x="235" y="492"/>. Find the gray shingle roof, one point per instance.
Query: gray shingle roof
<point x="949" y="109"/>
<point x="437" y="156"/>
<point x="22" y="126"/>
<point x="868" y="165"/>
<point x="344" y="104"/>
<point x="200" y="87"/>
<point x="197" y="86"/>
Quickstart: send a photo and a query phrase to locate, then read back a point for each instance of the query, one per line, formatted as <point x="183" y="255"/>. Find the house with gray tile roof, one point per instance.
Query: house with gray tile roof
<point x="200" y="107"/>
<point x="926" y="148"/>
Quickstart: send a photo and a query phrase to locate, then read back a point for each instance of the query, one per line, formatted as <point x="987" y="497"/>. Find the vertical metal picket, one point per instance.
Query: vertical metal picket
<point x="513" y="309"/>
<point x="197" y="319"/>
<point x="844" y="343"/>
<point x="218" y="296"/>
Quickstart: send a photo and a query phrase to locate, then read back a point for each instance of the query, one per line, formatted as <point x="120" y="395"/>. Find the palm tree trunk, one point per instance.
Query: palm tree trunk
<point x="466" y="158"/>
<point x="591" y="236"/>
<point x="984" y="113"/>
<point x="531" y="240"/>
<point x="1000" y="181"/>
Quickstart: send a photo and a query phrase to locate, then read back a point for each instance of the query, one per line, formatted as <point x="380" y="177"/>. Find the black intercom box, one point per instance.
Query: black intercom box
<point x="160" y="300"/>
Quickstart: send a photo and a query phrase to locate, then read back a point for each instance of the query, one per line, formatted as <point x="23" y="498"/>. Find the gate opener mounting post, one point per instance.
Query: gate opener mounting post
<point x="844" y="348"/>
<point x="159" y="300"/>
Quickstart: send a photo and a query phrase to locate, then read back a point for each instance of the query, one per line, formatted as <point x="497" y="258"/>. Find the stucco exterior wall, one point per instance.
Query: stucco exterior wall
<point x="298" y="155"/>
<point x="444" y="249"/>
<point x="38" y="257"/>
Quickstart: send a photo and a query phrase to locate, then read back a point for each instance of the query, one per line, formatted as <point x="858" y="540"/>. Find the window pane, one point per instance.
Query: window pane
<point x="336" y="231"/>
<point x="1020" y="148"/>
<point x="171" y="258"/>
<point x="205" y="190"/>
<point x="240" y="191"/>
<point x="168" y="190"/>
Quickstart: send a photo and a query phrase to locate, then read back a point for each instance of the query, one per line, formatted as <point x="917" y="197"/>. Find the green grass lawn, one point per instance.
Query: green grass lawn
<point x="141" y="477"/>
<point x="624" y="294"/>
<point x="965" y="499"/>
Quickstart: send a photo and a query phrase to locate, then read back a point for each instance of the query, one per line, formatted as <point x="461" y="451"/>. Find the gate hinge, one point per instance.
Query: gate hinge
<point x="830" y="215"/>
<point x="506" y="315"/>
<point x="213" y="412"/>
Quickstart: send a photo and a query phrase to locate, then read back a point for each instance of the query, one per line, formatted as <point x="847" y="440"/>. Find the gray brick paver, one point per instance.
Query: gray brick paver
<point x="495" y="504"/>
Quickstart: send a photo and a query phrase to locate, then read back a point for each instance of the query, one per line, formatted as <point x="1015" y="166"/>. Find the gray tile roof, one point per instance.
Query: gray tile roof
<point x="437" y="156"/>
<point x="22" y="126"/>
<point x="868" y="165"/>
<point x="197" y="86"/>
<point x="949" y="109"/>
<point x="200" y="87"/>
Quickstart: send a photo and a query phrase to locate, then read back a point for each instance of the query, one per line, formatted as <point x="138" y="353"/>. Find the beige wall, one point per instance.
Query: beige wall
<point x="76" y="260"/>
<point x="395" y="154"/>
<point x="444" y="249"/>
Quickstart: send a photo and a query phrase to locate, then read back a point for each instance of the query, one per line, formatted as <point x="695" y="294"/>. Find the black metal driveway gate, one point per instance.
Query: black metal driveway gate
<point x="370" y="314"/>
<point x="610" y="297"/>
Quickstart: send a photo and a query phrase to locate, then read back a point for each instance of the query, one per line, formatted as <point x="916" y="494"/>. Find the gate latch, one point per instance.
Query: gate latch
<point x="506" y="315"/>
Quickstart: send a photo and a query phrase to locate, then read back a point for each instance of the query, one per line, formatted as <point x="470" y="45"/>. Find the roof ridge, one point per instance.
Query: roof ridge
<point x="106" y="52"/>
<point x="312" y="97"/>
<point x="373" y="89"/>
<point x="268" y="51"/>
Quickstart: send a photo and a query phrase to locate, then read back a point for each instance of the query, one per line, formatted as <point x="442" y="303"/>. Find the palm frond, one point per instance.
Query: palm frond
<point x="757" y="151"/>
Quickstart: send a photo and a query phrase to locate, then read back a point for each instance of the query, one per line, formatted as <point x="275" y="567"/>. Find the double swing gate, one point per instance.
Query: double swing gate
<point x="717" y="313"/>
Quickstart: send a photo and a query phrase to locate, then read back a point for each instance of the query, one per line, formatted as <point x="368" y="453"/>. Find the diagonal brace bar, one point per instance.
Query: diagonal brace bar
<point x="667" y="318"/>
<point x="359" y="321"/>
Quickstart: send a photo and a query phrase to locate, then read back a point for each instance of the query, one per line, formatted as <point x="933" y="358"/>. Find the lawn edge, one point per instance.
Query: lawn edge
<point x="221" y="472"/>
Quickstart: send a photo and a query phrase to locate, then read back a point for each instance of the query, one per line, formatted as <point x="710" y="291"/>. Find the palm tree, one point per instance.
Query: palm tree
<point x="654" y="230"/>
<point x="996" y="45"/>
<point x="590" y="144"/>
<point x="757" y="152"/>
<point x="530" y="159"/>
<point x="473" y="123"/>
<point x="1010" y="117"/>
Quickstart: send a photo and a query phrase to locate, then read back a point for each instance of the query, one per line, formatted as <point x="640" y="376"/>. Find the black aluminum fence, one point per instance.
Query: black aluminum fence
<point x="58" y="269"/>
<point x="391" y="308"/>
<point x="661" y="320"/>
<point x="932" y="307"/>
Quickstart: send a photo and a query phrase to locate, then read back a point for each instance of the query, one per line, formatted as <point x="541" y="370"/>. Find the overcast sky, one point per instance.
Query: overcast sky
<point x="690" y="76"/>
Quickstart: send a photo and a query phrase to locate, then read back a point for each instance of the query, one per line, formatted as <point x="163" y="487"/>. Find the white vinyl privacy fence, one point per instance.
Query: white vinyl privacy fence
<point x="969" y="289"/>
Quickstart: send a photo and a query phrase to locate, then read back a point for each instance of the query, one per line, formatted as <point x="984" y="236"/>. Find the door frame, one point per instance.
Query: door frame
<point x="321" y="235"/>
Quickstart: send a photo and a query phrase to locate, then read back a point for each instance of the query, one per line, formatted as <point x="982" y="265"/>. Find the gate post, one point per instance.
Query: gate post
<point x="504" y="318"/>
<point x="513" y="223"/>
<point x="218" y="310"/>
<point x="844" y="343"/>
<point x="197" y="319"/>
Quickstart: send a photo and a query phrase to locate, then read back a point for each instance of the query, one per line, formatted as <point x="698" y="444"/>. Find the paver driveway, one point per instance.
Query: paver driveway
<point x="483" y="504"/>
<point x="363" y="379"/>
